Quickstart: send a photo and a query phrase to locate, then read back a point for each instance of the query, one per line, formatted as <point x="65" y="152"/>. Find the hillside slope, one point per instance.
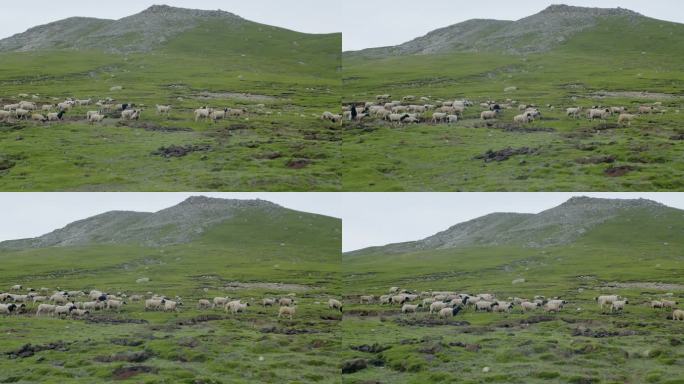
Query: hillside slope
<point x="193" y="219"/>
<point x="551" y="28"/>
<point x="579" y="217"/>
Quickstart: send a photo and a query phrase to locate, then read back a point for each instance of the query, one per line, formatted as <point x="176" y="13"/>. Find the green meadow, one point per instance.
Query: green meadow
<point x="249" y="258"/>
<point x="611" y="64"/>
<point x="283" y="79"/>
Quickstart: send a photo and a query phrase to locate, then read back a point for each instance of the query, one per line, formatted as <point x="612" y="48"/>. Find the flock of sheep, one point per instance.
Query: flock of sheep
<point x="81" y="304"/>
<point x="445" y="304"/>
<point x="413" y="110"/>
<point x="31" y="110"/>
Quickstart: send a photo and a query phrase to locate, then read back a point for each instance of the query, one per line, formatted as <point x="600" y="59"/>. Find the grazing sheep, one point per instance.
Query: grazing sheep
<point x="38" y="117"/>
<point x="595" y="113"/>
<point x="452" y="119"/>
<point x="678" y="315"/>
<point x="618" y="305"/>
<point x="367" y="299"/>
<point x="439" y="117"/>
<point x="47" y="309"/>
<point x="437" y="306"/>
<point x="54" y="116"/>
<point x="489" y="115"/>
<point x="130" y="114"/>
<point x="606" y="300"/>
<point x="385" y="299"/>
<point x="136" y="298"/>
<point x="449" y="312"/>
<point x="397" y="117"/>
<point x="523" y="119"/>
<point x="21" y="113"/>
<point x="236" y="111"/>
<point x="286" y="302"/>
<point x="27" y="105"/>
<point x="38" y="299"/>
<point x="406" y="308"/>
<point x="529" y="306"/>
<point x="114" y="304"/>
<point x="236" y="307"/>
<point x="17" y="287"/>
<point x="503" y="306"/>
<point x="59" y="298"/>
<point x="553" y="306"/>
<point x="64" y="309"/>
<point x="399" y="299"/>
<point x="669" y="304"/>
<point x="203" y="113"/>
<point x="484" y="305"/>
<point x="618" y="110"/>
<point x="46" y="107"/>
<point x="163" y="109"/>
<point x="80" y="313"/>
<point x="95" y="118"/>
<point x="7" y="309"/>
<point x="656" y="304"/>
<point x="574" y="112"/>
<point x="626" y="118"/>
<point x="154" y="304"/>
<point x="394" y="289"/>
<point x="286" y="311"/>
<point x="383" y="97"/>
<point x="5" y="115"/>
<point x="171" y="305"/>
<point x="220" y="301"/>
<point x="646" y="109"/>
<point x="335" y="304"/>
<point x="203" y="304"/>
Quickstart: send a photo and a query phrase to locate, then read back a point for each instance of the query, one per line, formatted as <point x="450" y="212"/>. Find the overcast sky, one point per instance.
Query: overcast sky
<point x="371" y="219"/>
<point x="311" y="16"/>
<point x="34" y="214"/>
<point x="379" y="23"/>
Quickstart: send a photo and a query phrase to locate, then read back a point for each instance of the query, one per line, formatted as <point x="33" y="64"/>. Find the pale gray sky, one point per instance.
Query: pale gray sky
<point x="371" y="219"/>
<point x="311" y="16"/>
<point x="378" y="23"/>
<point x="33" y="214"/>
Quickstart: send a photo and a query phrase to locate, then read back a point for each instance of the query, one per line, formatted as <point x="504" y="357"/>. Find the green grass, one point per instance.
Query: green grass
<point x="251" y="347"/>
<point x="296" y="77"/>
<point x="613" y="57"/>
<point x="642" y="342"/>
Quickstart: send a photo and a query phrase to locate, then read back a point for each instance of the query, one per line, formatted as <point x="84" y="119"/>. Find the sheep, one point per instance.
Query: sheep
<point x="267" y="302"/>
<point x="452" y="119"/>
<point x="54" y="116"/>
<point x="503" y="306"/>
<point x="408" y="98"/>
<point x="220" y="301"/>
<point x="80" y="313"/>
<point x="553" y="306"/>
<point x="218" y="115"/>
<point x="523" y="119"/>
<point x="428" y="300"/>
<point x="21" y="113"/>
<point x="95" y="118"/>
<point x="626" y="118"/>
<point x="236" y="306"/>
<point x="154" y="304"/>
<point x="38" y="299"/>
<point x="136" y="298"/>
<point x="399" y="299"/>
<point x="47" y="309"/>
<point x="27" y="105"/>
<point x="286" y="311"/>
<point x="64" y="309"/>
<point x="335" y="304"/>
<point x="618" y="305"/>
<point x="236" y="111"/>
<point x="383" y="97"/>
<point x="367" y="299"/>
<point x="203" y="113"/>
<point x="59" y="298"/>
<point x="646" y="109"/>
<point x="449" y="312"/>
<point x="64" y="106"/>
<point x="487" y="296"/>
<point x="7" y="309"/>
<point x="115" y="304"/>
<point x="46" y="107"/>
<point x="130" y="114"/>
<point x="203" y="304"/>
<point x="606" y="300"/>
<point x="171" y="305"/>
<point x="163" y="109"/>
<point x="406" y="308"/>
<point x="385" y="299"/>
<point x="678" y="315"/>
<point x="286" y="302"/>
<point x="489" y="115"/>
<point x="417" y="108"/>
<point x="17" y="287"/>
<point x="574" y="112"/>
<point x="397" y="117"/>
<point x="484" y="305"/>
<point x="596" y="113"/>
<point x="529" y="306"/>
<point x="656" y="304"/>
<point x="5" y="115"/>
<point x="84" y="102"/>
<point x="669" y="304"/>
<point x="439" y="117"/>
<point x="437" y="306"/>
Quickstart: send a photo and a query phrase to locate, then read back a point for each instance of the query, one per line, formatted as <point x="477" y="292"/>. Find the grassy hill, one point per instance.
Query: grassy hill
<point x="257" y="253"/>
<point x="580" y="344"/>
<point x="619" y="59"/>
<point x="284" y="79"/>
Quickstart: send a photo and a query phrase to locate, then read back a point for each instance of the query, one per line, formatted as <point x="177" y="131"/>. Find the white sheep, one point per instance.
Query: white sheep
<point x="286" y="311"/>
<point x="7" y="309"/>
<point x="529" y="306"/>
<point x="596" y="113"/>
<point x="64" y="309"/>
<point x="406" y="308"/>
<point x="452" y="119"/>
<point x="489" y="115"/>
<point x="163" y="109"/>
<point x="678" y="315"/>
<point x="236" y="306"/>
<point x="626" y="118"/>
<point x="220" y="301"/>
<point x="437" y="306"/>
<point x="130" y="114"/>
<point x="154" y="304"/>
<point x="604" y="300"/>
<point x="267" y="302"/>
<point x="367" y="299"/>
<point x="449" y="312"/>
<point x="439" y="117"/>
<point x="286" y="302"/>
<point x="618" y="305"/>
<point x="218" y="114"/>
<point x="171" y="305"/>
<point x="47" y="309"/>
<point x="574" y="112"/>
<point x="203" y="304"/>
<point x="114" y="304"/>
<point x="203" y="113"/>
<point x="335" y="304"/>
<point x="669" y="303"/>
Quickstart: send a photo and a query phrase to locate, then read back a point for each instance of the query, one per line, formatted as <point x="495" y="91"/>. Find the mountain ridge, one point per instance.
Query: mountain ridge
<point x="540" y="32"/>
<point x="560" y="225"/>
<point x="181" y="223"/>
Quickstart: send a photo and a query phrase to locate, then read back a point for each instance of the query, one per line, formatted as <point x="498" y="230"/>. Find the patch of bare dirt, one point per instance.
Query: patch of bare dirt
<point x="375" y="348"/>
<point x="107" y="319"/>
<point x="634" y="95"/>
<point x="601" y="333"/>
<point x="645" y="285"/>
<point x="297" y="163"/>
<point x="129" y="356"/>
<point x="428" y="322"/>
<point x="618" y="171"/>
<point x="148" y="126"/>
<point x="181" y="150"/>
<point x="505" y="154"/>
<point x="124" y="373"/>
<point x="287" y="331"/>
<point x="28" y="350"/>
